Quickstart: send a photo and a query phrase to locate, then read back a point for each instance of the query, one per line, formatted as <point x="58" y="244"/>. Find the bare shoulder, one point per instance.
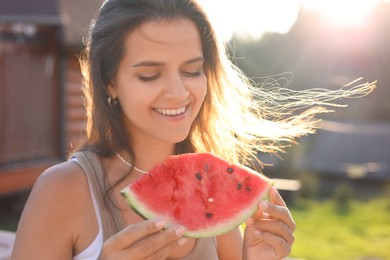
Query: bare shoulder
<point x="61" y="177"/>
<point x="63" y="184"/>
<point x="52" y="212"/>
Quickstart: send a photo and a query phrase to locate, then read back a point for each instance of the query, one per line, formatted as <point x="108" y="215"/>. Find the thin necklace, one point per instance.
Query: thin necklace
<point x="130" y="165"/>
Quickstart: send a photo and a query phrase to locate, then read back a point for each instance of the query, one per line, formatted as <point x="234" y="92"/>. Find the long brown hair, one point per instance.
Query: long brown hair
<point x="237" y="119"/>
<point x="102" y="55"/>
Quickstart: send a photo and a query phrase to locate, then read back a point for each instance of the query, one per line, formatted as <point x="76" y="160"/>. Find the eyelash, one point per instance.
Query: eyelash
<point x="192" y="74"/>
<point x="151" y="78"/>
<point x="154" y="77"/>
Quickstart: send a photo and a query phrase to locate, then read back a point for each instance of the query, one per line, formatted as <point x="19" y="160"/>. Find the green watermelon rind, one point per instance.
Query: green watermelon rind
<point x="224" y="227"/>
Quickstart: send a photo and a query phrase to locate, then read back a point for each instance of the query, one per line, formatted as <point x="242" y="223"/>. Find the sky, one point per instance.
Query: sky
<point x="252" y="18"/>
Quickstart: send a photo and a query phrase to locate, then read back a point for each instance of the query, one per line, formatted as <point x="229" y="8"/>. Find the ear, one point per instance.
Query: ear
<point x="112" y="90"/>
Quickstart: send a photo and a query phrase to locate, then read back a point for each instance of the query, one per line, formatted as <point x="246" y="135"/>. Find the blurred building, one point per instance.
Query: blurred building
<point x="357" y="153"/>
<point x="41" y="109"/>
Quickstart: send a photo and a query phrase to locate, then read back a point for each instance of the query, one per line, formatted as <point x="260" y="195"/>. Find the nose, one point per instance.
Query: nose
<point x="176" y="87"/>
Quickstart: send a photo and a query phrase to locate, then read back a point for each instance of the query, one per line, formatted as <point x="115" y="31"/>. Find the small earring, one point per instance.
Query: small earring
<point x="112" y="102"/>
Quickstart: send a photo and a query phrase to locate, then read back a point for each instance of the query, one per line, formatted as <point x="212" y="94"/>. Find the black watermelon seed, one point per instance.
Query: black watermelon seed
<point x="198" y="175"/>
<point x="239" y="186"/>
<point x="248" y="188"/>
<point x="209" y="215"/>
<point x="230" y="170"/>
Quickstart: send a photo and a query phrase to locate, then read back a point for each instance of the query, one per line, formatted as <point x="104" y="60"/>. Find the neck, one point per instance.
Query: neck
<point x="151" y="154"/>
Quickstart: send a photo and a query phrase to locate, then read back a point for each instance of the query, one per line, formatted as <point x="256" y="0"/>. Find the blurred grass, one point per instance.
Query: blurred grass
<point x="360" y="231"/>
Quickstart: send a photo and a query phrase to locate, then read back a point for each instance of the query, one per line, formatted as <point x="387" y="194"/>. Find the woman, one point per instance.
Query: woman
<point x="157" y="83"/>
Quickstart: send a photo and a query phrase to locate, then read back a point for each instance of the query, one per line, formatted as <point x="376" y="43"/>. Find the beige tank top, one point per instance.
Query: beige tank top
<point x="111" y="219"/>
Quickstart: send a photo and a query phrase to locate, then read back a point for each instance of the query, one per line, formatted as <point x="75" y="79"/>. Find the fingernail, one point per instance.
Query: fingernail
<point x="264" y="205"/>
<point x="180" y="231"/>
<point x="181" y="241"/>
<point x="160" y="223"/>
<point x="257" y="233"/>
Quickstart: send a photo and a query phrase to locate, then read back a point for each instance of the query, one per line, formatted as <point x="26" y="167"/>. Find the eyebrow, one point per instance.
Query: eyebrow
<point x="157" y="64"/>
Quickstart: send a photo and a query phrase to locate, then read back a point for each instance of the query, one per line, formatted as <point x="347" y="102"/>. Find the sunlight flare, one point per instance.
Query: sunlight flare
<point x="345" y="13"/>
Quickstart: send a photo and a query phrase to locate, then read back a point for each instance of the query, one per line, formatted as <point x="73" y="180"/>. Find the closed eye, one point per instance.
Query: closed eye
<point x="148" y="78"/>
<point x="192" y="74"/>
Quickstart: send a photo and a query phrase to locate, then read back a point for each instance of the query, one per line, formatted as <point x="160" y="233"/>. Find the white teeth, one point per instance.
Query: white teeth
<point x="170" y="112"/>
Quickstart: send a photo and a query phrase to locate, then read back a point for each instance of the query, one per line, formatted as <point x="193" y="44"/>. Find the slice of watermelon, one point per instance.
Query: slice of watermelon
<point x="203" y="193"/>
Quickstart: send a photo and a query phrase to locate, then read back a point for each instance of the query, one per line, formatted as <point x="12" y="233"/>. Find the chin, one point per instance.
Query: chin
<point x="179" y="138"/>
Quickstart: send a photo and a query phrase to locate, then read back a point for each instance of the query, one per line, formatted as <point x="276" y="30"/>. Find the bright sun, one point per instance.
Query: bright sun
<point x="251" y="17"/>
<point x="350" y="13"/>
<point x="255" y="17"/>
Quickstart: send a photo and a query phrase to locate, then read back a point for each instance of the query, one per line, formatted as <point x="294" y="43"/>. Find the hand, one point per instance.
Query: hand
<point x="144" y="240"/>
<point x="269" y="233"/>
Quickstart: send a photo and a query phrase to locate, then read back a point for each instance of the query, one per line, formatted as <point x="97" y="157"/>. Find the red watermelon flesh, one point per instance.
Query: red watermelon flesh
<point x="203" y="193"/>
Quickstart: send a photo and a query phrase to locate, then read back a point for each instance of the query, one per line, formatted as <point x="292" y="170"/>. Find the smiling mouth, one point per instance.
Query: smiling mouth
<point x="171" y="112"/>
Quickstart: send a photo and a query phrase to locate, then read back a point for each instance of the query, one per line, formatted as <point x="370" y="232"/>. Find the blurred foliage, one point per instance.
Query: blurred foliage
<point x="309" y="188"/>
<point x="342" y="196"/>
<point x="361" y="232"/>
<point x="11" y="207"/>
<point x="318" y="54"/>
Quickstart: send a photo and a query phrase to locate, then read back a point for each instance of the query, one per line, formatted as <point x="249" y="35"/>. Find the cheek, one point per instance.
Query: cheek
<point x="135" y="112"/>
<point x="132" y="100"/>
<point x="135" y="104"/>
<point x="199" y="90"/>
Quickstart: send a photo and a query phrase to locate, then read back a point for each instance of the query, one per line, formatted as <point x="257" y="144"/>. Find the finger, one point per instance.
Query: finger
<point x="281" y="247"/>
<point x="276" y="198"/>
<point x="159" y="243"/>
<point x="275" y="227"/>
<point x="278" y="212"/>
<point x="133" y="233"/>
<point x="258" y="214"/>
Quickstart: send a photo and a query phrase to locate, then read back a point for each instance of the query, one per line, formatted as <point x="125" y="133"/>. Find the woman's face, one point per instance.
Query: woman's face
<point x="160" y="82"/>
